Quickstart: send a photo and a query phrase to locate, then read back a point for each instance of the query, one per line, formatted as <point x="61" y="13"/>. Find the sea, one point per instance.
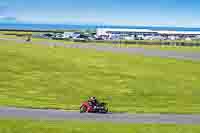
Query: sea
<point x="86" y="27"/>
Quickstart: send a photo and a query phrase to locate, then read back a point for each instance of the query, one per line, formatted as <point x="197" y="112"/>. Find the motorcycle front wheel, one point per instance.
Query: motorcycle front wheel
<point x="83" y="109"/>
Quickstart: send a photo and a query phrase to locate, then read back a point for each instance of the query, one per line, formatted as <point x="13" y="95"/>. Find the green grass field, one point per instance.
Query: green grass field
<point x="25" y="126"/>
<point x="44" y="77"/>
<point x="158" y="47"/>
<point x="35" y="40"/>
<point x="188" y="41"/>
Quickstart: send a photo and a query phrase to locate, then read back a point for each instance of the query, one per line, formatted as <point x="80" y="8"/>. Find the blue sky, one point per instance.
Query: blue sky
<point x="116" y="12"/>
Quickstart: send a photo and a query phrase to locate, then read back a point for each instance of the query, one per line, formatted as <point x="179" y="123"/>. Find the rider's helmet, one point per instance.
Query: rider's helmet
<point x="92" y="98"/>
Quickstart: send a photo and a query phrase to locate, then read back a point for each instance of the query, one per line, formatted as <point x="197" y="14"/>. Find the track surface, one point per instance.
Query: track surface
<point x="141" y="51"/>
<point x="38" y="114"/>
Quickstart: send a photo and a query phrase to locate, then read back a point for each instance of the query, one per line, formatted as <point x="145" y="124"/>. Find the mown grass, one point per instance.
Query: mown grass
<point x="10" y="36"/>
<point x="40" y="40"/>
<point x="17" y="32"/>
<point x="35" y="40"/>
<point x="27" y="126"/>
<point x="155" y="41"/>
<point x="153" y="47"/>
<point x="164" y="47"/>
<point x="45" y="77"/>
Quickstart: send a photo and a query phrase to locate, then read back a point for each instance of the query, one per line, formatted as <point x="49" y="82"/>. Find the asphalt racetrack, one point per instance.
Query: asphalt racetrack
<point x="39" y="114"/>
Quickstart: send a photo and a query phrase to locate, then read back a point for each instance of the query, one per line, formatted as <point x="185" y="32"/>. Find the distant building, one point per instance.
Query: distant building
<point x="143" y="34"/>
<point x="188" y="39"/>
<point x="123" y="32"/>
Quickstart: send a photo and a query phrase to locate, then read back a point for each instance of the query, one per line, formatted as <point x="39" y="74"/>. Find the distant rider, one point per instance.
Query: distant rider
<point x="93" y="102"/>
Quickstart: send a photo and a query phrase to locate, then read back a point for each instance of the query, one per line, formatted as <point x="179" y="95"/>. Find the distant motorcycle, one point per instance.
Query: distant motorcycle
<point x="99" y="108"/>
<point x="28" y="38"/>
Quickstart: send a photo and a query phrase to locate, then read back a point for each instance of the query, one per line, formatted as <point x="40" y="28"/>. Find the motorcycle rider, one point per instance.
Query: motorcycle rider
<point x="92" y="105"/>
<point x="28" y="38"/>
<point x="93" y="102"/>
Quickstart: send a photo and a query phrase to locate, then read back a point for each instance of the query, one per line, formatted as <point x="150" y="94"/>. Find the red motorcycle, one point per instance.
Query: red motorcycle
<point x="86" y="107"/>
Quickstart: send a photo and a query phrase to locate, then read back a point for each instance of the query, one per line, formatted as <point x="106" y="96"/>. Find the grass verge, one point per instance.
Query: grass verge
<point x="25" y="126"/>
<point x="152" y="46"/>
<point x="45" y="77"/>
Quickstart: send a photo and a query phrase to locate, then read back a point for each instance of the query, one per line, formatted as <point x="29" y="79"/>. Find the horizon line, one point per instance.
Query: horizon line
<point x="101" y="25"/>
